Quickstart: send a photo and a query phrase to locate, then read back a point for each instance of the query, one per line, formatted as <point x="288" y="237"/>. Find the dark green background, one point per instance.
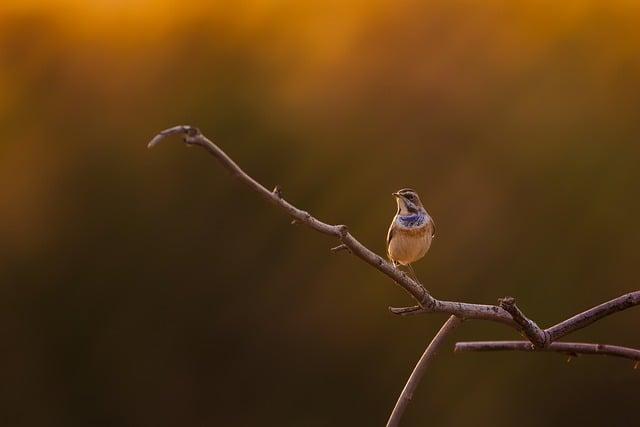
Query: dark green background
<point x="146" y="288"/>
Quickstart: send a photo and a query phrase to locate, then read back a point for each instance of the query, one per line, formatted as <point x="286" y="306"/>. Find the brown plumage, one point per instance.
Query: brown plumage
<point x="408" y="246"/>
<point x="411" y="231"/>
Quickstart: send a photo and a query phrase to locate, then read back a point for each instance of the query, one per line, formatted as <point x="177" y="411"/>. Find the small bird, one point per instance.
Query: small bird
<point x="411" y="230"/>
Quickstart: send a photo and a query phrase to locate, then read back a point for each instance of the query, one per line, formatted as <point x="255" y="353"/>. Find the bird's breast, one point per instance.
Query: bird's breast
<point x="409" y="244"/>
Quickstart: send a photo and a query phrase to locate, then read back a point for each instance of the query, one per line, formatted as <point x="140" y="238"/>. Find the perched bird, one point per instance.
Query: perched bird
<point x="411" y="230"/>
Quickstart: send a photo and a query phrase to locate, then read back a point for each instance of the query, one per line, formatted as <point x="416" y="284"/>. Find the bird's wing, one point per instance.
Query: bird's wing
<point x="390" y="233"/>
<point x="389" y="237"/>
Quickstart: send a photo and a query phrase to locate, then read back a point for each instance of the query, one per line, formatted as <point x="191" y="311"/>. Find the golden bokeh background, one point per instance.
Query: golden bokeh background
<point x="150" y="288"/>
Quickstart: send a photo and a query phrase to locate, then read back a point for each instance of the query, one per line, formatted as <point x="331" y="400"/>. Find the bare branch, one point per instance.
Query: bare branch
<point x="536" y="335"/>
<point x="587" y="317"/>
<point x="541" y="339"/>
<point x="570" y="348"/>
<point x="551" y="334"/>
<point x="461" y="309"/>
<point x="427" y="303"/>
<point x="507" y="313"/>
<point x="419" y="370"/>
<point x="193" y="136"/>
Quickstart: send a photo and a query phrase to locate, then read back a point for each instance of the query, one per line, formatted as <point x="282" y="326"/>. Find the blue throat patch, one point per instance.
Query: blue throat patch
<point x="414" y="220"/>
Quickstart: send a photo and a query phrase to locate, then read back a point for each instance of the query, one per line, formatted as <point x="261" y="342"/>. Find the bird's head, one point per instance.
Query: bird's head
<point x="408" y="202"/>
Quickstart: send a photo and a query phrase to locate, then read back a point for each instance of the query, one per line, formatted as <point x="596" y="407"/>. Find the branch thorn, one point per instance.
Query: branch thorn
<point x="341" y="247"/>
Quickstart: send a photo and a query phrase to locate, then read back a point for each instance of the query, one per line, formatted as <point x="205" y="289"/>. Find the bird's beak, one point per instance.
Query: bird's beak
<point x="395" y="194"/>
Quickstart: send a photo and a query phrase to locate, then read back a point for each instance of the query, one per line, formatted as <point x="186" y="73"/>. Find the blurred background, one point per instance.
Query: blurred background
<point x="149" y="288"/>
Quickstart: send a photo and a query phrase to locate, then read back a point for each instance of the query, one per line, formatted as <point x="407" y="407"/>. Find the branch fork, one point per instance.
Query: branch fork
<point x="538" y="337"/>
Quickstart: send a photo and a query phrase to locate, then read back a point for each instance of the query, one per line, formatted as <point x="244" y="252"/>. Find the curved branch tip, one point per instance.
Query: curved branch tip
<point x="186" y="130"/>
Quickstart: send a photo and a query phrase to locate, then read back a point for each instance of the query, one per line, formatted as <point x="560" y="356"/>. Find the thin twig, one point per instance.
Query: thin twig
<point x="571" y="348"/>
<point x="341" y="247"/>
<point x="587" y="317"/>
<point x="419" y="370"/>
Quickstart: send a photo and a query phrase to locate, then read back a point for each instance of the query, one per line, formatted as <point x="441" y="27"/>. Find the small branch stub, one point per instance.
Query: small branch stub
<point x="341" y="247"/>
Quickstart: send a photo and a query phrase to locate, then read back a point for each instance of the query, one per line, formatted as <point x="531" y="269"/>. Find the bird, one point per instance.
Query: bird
<point x="411" y="232"/>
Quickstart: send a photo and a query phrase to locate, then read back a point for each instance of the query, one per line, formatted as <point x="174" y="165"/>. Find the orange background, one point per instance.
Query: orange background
<point x="149" y="288"/>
